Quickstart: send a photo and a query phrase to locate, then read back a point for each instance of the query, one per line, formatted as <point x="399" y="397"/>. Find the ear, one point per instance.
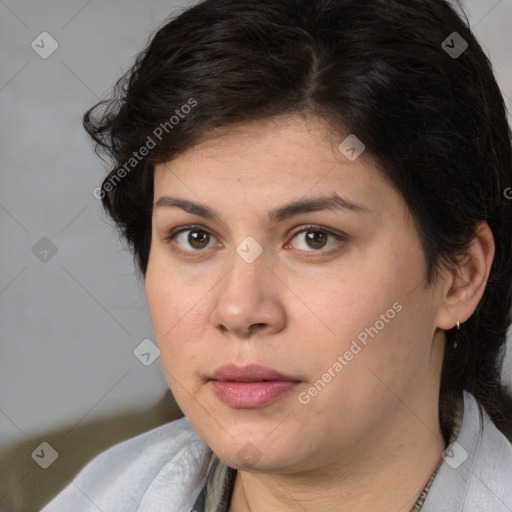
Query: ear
<point x="464" y="286"/>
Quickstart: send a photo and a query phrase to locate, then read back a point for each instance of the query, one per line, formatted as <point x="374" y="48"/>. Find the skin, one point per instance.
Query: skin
<point x="370" y="439"/>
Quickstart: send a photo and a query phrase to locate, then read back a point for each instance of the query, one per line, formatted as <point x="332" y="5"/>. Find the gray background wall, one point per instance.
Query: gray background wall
<point x="70" y="321"/>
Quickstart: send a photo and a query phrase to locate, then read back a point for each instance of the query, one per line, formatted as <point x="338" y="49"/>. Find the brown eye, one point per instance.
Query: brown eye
<point x="192" y="239"/>
<point x="198" y="239"/>
<point x="316" y="238"/>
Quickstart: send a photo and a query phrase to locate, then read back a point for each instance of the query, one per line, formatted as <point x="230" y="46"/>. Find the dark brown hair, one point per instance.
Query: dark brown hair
<point x="386" y="70"/>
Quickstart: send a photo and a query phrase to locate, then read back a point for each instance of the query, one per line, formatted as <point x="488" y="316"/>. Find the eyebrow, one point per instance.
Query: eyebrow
<point x="333" y="202"/>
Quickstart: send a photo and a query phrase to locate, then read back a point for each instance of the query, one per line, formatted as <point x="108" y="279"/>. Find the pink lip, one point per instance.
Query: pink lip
<point x="251" y="386"/>
<point x="249" y="373"/>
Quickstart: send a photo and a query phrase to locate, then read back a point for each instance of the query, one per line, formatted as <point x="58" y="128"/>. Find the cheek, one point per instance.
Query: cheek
<point x="169" y="299"/>
<point x="352" y="377"/>
<point x="175" y="311"/>
<point x="350" y="310"/>
<point x="371" y="334"/>
<point x="158" y="295"/>
<point x="168" y="316"/>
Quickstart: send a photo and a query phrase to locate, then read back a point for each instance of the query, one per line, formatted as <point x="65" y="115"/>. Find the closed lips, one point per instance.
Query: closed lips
<point x="249" y="373"/>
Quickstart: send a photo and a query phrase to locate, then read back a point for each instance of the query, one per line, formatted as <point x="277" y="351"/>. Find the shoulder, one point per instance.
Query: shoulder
<point x="476" y="473"/>
<point x="491" y="471"/>
<point x="166" y="465"/>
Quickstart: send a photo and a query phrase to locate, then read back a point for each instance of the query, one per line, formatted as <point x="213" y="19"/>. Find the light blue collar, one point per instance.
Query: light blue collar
<point x="476" y="473"/>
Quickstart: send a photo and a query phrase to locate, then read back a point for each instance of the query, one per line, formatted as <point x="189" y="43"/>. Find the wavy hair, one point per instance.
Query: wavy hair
<point x="387" y="70"/>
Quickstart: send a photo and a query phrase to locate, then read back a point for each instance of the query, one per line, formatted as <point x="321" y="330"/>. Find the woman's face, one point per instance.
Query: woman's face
<point x="331" y="295"/>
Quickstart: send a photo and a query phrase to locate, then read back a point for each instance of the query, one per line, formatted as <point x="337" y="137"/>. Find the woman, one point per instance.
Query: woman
<point x="315" y="194"/>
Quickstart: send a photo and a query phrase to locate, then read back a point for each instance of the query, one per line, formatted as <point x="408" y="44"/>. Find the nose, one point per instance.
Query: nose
<point x="249" y="299"/>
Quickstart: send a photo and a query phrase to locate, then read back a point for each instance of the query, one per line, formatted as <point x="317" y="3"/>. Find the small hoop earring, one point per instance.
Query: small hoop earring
<point x="458" y="325"/>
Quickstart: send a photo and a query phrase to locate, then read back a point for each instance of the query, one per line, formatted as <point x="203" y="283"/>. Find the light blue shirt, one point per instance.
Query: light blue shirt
<point x="476" y="474"/>
<point x="164" y="470"/>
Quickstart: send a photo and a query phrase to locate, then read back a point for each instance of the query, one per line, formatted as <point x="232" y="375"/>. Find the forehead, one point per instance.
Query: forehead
<point x="274" y="151"/>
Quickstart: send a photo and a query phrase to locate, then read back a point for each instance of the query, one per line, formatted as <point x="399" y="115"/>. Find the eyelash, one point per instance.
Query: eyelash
<point x="309" y="227"/>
